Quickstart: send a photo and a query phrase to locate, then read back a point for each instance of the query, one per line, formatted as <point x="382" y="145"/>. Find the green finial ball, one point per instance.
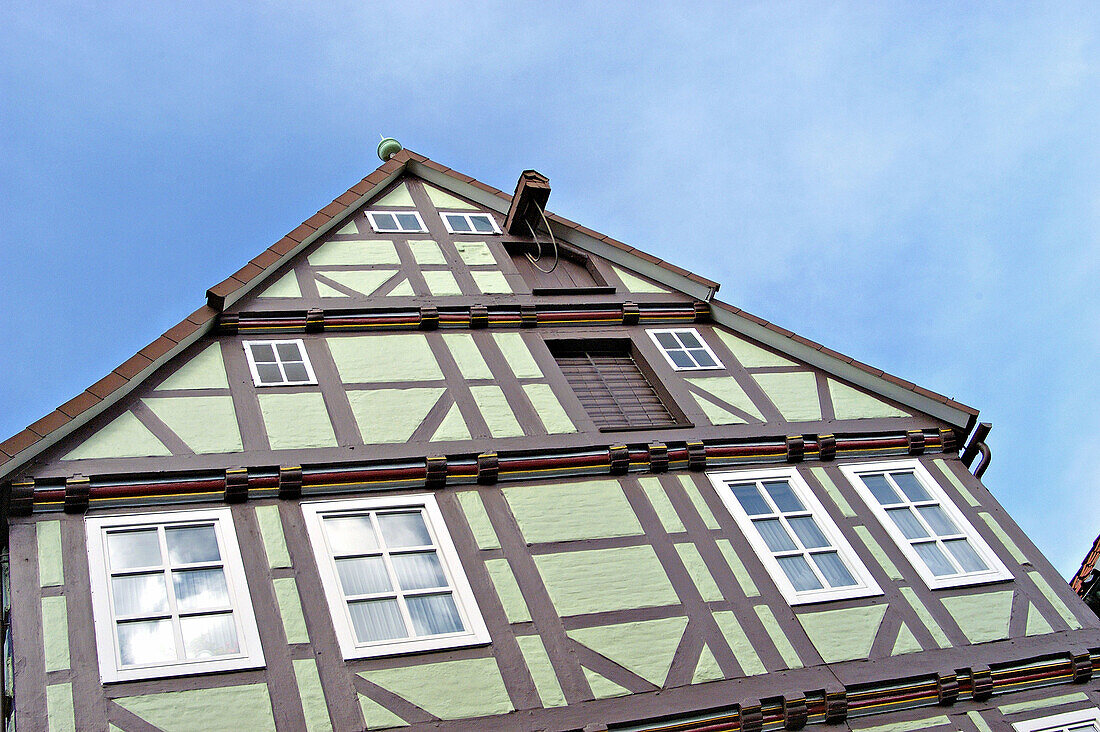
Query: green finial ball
<point x="388" y="148"/>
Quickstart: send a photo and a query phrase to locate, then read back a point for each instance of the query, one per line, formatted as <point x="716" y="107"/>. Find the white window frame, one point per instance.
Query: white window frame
<point x="274" y="344"/>
<point x="675" y="332"/>
<point x="473" y="232"/>
<point x="1060" y="722"/>
<point x="866" y="587"/>
<point x="378" y="230"/>
<point x="997" y="570"/>
<point x="110" y="667"/>
<point x="475" y="632"/>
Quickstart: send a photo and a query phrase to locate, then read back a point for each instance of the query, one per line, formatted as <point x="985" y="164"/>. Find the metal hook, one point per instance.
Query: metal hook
<point x="535" y="260"/>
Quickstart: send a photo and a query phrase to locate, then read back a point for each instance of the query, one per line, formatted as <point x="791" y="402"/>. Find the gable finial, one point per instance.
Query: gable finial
<point x="388" y="148"/>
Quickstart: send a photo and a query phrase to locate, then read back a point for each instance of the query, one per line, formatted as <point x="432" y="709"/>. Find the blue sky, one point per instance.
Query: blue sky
<point x="912" y="184"/>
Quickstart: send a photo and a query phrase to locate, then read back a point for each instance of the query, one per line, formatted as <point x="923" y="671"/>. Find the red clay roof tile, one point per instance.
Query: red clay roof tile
<point x="79" y="404"/>
<point x="105" y="386"/>
<point x="133" y="366"/>
<point x="49" y="423"/>
<point x="203" y="315"/>
<point x="317" y="220"/>
<point x="332" y="209"/>
<point x="265" y="259"/>
<point x="284" y="246"/>
<point x="247" y="273"/>
<point x="158" y="348"/>
<point x="301" y="233"/>
<point x="17" y="443"/>
<point x="347" y="198"/>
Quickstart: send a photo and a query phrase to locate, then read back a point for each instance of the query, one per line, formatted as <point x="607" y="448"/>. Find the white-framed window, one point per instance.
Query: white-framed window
<point x="169" y="596"/>
<point x="685" y="349"/>
<point x="391" y="576"/>
<point x="470" y="223"/>
<point x="279" y="363"/>
<point x="396" y="222"/>
<point x="797" y="541"/>
<point x="1083" y="720"/>
<point x="930" y="530"/>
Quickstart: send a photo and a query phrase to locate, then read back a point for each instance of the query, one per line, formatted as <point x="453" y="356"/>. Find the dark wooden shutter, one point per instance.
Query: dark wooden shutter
<point x="612" y="389"/>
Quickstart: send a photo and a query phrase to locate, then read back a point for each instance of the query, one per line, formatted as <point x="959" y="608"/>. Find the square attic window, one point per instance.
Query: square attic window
<point x="685" y="349"/>
<point x="476" y="223"/>
<point x="279" y="363"/>
<point x="396" y="222"/>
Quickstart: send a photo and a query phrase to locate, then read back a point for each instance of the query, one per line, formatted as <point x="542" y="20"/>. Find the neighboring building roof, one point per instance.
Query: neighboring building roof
<point x="18" y="449"/>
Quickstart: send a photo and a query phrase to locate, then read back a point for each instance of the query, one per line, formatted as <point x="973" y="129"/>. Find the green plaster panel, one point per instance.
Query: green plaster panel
<point x="496" y="411"/>
<point x="728" y="390"/>
<point x="633" y="283"/>
<point x="296" y="420"/>
<point x="478" y="519"/>
<point x="749" y="355"/>
<point x="467" y="356"/>
<point x="313" y="696"/>
<point x="285" y="286"/>
<point x="983" y="617"/>
<point x="453" y="427"/>
<point x="508" y="590"/>
<point x="337" y="253"/>
<point x="645" y="648"/>
<point x="60" y="714"/>
<point x="738" y="568"/>
<point x="741" y="646"/>
<point x="444" y="200"/>
<point x="271" y="531"/>
<point x="707" y="669"/>
<point x="950" y="475"/>
<point x="591" y="509"/>
<point x="377" y="716"/>
<point x="603" y="687"/>
<point x="379" y="418"/>
<point x="716" y="414"/>
<point x="549" y="409"/>
<point x="50" y="572"/>
<point x="1036" y="623"/>
<point x="850" y="403"/>
<point x="697" y="500"/>
<point x="598" y="580"/>
<point x="834" y="492"/>
<point x="324" y="290"/>
<point x="363" y="281"/>
<point x="793" y="394"/>
<point x="517" y="355"/>
<point x="912" y="725"/>
<point x="1005" y="539"/>
<point x="1053" y="701"/>
<point x="55" y="633"/>
<point x="208" y="424"/>
<point x="662" y="505"/>
<point x="880" y="556"/>
<point x="1052" y="597"/>
<point x="349" y="228"/>
<point x="402" y="289"/>
<point x="491" y="281"/>
<point x="399" y="196"/>
<point x="290" y="608"/>
<point x="475" y="252"/>
<point x="391" y="357"/>
<point x="441" y="282"/>
<point x="125" y="436"/>
<point x="925" y="617"/>
<point x="449" y="689"/>
<point x="542" y="670"/>
<point x="845" y="634"/>
<point x="426" y="251"/>
<point x="219" y="709"/>
<point x="205" y="370"/>
<point x="906" y="642"/>
<point x="979" y="722"/>
<point x="112" y="728"/>
<point x="779" y="638"/>
<point x="700" y="575"/>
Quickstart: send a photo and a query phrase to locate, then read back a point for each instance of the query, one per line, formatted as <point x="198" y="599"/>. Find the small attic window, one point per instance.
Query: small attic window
<point x="476" y="223"/>
<point x="279" y="363"/>
<point x="684" y="349"/>
<point x="391" y="222"/>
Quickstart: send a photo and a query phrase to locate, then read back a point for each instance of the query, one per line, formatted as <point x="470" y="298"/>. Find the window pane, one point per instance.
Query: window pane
<point x="141" y="594"/>
<point x="907" y="522"/>
<point x="938" y="519"/>
<point x="681" y="360"/>
<point x="350" y="535"/>
<point x="200" y="589"/>
<point x="799" y="573"/>
<point x="377" y="620"/>
<point x="132" y="549"/>
<point x="883" y="492"/>
<point x="408" y="222"/>
<point x="911" y="487"/>
<point x="834" y="570"/>
<point x="783" y="495"/>
<point x="363" y="576"/>
<point x="289" y="352"/>
<point x="934" y="558"/>
<point x="262" y="352"/>
<point x="458" y="223"/>
<point x="688" y="339"/>
<point x="296" y="372"/>
<point x="385" y="222"/>
<point x="808" y="532"/>
<point x="418" y="571"/>
<point x="404" y="529"/>
<point x="209" y="636"/>
<point x="702" y="357"/>
<point x="775" y="536"/>
<point x="482" y="223"/>
<point x="434" y="615"/>
<point x="190" y="544"/>
<point x="269" y="373"/>
<point x="667" y="340"/>
<point x="147" y="641"/>
<point x="748" y="495"/>
<point x="965" y="555"/>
